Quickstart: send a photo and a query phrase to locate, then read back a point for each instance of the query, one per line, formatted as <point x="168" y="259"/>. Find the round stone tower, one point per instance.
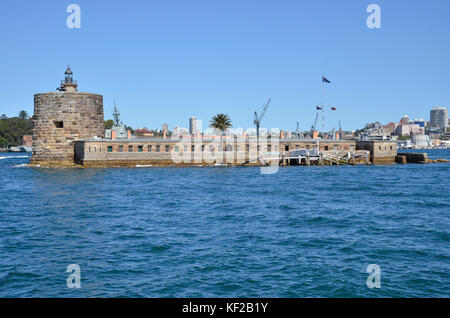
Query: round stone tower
<point x="60" y="118"/>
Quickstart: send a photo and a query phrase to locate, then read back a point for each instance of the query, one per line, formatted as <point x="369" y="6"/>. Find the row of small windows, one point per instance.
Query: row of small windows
<point x="211" y="148"/>
<point x="168" y="148"/>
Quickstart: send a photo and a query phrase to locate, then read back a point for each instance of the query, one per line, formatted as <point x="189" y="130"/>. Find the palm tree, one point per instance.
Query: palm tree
<point x="220" y="122"/>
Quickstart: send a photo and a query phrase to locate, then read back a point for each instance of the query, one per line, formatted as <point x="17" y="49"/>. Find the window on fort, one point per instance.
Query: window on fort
<point x="307" y="146"/>
<point x="140" y="148"/>
<point x="326" y="147"/>
<point x="228" y="148"/>
<point x="177" y="148"/>
<point x="257" y="148"/>
<point x="203" y="148"/>
<point x="211" y="148"/>
<point x="269" y="148"/>
<point x="247" y="147"/>
<point x="158" y="148"/>
<point x="167" y="148"/>
<point x="391" y="147"/>
<point x="130" y="148"/>
<point x="58" y="124"/>
<point x="335" y="147"/>
<point x="352" y="147"/>
<point x="192" y="148"/>
<point x="120" y="148"/>
<point x="109" y="148"/>
<point x="379" y="147"/>
<point x="237" y="148"/>
<point x="286" y="148"/>
<point x="185" y="148"/>
<point x="149" y="148"/>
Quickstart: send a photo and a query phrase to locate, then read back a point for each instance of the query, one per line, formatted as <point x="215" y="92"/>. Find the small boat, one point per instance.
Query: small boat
<point x="20" y="149"/>
<point x="14" y="149"/>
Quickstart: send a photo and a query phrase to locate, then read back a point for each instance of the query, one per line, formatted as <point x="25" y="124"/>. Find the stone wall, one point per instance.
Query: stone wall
<point x="383" y="151"/>
<point x="131" y="152"/>
<point x="59" y="119"/>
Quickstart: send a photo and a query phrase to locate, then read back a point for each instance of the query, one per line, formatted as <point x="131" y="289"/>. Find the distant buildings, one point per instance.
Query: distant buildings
<point x="439" y="117"/>
<point x="404" y="120"/>
<point x="193" y="125"/>
<point x="408" y="129"/>
<point x="417" y="133"/>
<point x="144" y="132"/>
<point x="420" y="140"/>
<point x="27" y="140"/>
<point x="421" y="122"/>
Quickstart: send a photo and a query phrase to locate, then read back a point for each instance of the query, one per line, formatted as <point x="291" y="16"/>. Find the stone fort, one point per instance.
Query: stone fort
<point x="69" y="130"/>
<point x="60" y="118"/>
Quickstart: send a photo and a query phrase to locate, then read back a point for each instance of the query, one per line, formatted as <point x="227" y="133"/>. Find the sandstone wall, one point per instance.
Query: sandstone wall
<point x="59" y="119"/>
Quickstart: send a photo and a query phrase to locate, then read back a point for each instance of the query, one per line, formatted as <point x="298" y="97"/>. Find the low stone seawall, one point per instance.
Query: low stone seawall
<point x="407" y="157"/>
<point x="152" y="163"/>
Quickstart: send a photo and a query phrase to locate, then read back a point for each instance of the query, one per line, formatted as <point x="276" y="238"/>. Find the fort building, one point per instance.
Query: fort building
<point x="69" y="130"/>
<point x="60" y="118"/>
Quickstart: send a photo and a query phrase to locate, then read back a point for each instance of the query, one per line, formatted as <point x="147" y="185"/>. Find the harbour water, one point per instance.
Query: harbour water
<point x="225" y="231"/>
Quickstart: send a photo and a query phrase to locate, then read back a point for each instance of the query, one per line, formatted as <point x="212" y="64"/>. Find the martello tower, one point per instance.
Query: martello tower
<point x="62" y="117"/>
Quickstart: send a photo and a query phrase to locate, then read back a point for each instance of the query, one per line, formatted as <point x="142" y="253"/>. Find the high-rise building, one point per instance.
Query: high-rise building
<point x="404" y="120"/>
<point x="193" y="125"/>
<point x="439" y="117"/>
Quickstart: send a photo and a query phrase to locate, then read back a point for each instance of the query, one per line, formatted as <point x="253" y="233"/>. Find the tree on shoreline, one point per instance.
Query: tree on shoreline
<point x="220" y="122"/>
<point x="13" y="129"/>
<point x="23" y="114"/>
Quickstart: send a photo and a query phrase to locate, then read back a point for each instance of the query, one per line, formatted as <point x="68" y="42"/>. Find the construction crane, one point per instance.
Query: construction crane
<point x="257" y="120"/>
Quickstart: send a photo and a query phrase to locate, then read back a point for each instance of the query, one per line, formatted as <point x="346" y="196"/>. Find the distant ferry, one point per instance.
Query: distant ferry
<point x="20" y="149"/>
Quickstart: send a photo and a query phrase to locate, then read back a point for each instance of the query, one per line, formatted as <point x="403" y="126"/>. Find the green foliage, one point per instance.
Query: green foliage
<point x="12" y="130"/>
<point x="23" y="114"/>
<point x="220" y="122"/>
<point x="3" y="142"/>
<point x="129" y="128"/>
<point x="109" y="124"/>
<point x="404" y="137"/>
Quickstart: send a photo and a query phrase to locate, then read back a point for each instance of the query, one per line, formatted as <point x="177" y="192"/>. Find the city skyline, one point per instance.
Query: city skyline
<point x="163" y="66"/>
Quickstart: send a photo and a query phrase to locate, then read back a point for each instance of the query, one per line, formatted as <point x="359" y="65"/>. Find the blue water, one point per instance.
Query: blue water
<point x="225" y="231"/>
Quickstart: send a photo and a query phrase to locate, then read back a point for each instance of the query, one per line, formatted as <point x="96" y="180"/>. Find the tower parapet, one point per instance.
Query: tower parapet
<point x="62" y="117"/>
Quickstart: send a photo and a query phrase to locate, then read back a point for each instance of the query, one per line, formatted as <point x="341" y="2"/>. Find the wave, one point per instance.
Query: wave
<point x="21" y="165"/>
<point x="14" y="157"/>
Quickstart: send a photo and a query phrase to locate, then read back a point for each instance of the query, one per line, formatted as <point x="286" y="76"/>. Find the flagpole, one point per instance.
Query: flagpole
<point x="323" y="109"/>
<point x="322" y="91"/>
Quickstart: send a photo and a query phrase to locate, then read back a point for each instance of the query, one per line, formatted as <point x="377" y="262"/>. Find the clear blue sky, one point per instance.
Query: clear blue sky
<point x="166" y="60"/>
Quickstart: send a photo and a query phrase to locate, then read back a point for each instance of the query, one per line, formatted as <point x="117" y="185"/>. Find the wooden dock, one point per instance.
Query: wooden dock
<point x="308" y="158"/>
